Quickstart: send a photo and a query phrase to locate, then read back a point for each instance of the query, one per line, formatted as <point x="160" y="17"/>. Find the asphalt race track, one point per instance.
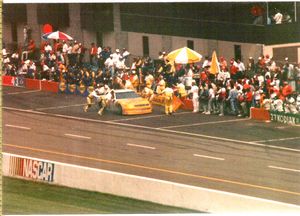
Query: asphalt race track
<point x="227" y="153"/>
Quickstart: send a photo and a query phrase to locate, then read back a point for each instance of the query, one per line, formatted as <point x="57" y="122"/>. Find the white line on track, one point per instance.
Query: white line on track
<point x="78" y="136"/>
<point x="145" y="117"/>
<point x="209" y="157"/>
<point x="272" y="140"/>
<point x="157" y="129"/>
<point x="17" y="126"/>
<point x="283" y="168"/>
<point x="206" y="123"/>
<point x="140" y="146"/>
<point x="58" y="107"/>
<point x="24" y="92"/>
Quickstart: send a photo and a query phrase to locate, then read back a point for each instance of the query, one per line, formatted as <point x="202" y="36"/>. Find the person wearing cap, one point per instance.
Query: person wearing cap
<point x="97" y="96"/>
<point x="161" y="84"/>
<point x="93" y="54"/>
<point x="116" y="56"/>
<point x="221" y="98"/>
<point x="241" y="69"/>
<point x="134" y="79"/>
<point x="278" y="17"/>
<point x="286" y="90"/>
<point x="289" y="73"/>
<point x="195" y="96"/>
<point x="109" y="64"/>
<point x="223" y="63"/>
<point x="233" y="69"/>
<point x="148" y="93"/>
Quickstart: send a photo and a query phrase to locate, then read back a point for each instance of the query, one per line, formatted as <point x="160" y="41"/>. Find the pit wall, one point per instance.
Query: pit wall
<point x="137" y="187"/>
<point x="50" y="86"/>
<point x="274" y="116"/>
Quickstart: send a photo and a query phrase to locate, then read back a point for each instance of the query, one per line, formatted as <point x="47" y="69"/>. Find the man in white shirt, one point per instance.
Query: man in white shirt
<point x="195" y="98"/>
<point x="278" y="17"/>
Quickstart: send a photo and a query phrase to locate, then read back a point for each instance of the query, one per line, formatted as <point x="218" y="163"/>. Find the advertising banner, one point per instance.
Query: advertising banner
<point x="49" y="86"/>
<point x="19" y="81"/>
<point x="31" y="169"/>
<point x="8" y="80"/>
<point x="33" y="84"/>
<point x="259" y="114"/>
<point x="160" y="100"/>
<point x="286" y="118"/>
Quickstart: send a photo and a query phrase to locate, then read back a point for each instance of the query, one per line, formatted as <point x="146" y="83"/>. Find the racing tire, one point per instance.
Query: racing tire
<point x="119" y="109"/>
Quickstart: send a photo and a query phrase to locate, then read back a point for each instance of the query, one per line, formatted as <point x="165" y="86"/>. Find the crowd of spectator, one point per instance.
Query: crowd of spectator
<point x="238" y="86"/>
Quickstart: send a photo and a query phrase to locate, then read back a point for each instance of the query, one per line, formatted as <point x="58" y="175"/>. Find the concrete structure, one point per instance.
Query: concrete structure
<point x="118" y="29"/>
<point x="158" y="191"/>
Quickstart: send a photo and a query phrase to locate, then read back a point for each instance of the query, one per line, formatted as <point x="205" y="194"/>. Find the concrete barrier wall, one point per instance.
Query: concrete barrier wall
<point x="158" y="191"/>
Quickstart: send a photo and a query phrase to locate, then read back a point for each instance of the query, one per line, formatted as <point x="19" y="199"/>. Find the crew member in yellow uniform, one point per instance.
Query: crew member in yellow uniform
<point x="96" y="96"/>
<point x="168" y="93"/>
<point x="148" y="93"/>
<point x="181" y="90"/>
<point x="134" y="79"/>
<point x="108" y="95"/>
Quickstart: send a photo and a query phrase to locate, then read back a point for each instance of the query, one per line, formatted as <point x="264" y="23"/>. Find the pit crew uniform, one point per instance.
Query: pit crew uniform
<point x="168" y="93"/>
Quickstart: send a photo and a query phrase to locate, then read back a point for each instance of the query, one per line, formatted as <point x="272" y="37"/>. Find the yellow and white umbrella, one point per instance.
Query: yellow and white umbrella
<point x="184" y="56"/>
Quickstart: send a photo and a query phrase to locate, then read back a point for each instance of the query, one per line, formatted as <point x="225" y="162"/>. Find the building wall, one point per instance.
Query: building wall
<point x="269" y="49"/>
<point x="133" y="41"/>
<point x="203" y="46"/>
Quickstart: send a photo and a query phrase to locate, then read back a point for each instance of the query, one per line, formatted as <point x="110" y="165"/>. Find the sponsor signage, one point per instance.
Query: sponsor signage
<point x="286" y="118"/>
<point x="19" y="81"/>
<point x="31" y="169"/>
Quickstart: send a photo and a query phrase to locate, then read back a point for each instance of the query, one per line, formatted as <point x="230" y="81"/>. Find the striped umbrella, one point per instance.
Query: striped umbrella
<point x="184" y="56"/>
<point x="57" y="35"/>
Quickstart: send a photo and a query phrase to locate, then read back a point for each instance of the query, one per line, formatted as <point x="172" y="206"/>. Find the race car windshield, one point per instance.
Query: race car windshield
<point x="126" y="95"/>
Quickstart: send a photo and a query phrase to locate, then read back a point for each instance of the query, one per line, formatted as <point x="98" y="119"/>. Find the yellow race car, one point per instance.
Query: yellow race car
<point x="128" y="102"/>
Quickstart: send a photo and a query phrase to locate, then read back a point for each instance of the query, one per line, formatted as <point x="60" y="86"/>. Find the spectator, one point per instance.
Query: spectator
<point x="195" y="96"/>
<point x="93" y="54"/>
<point x="278" y="17"/>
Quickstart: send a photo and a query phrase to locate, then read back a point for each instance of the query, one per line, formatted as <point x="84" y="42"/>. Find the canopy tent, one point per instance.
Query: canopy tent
<point x="184" y="56"/>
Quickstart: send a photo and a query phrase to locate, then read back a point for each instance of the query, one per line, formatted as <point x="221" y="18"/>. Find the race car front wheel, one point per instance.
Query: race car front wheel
<point x="119" y="109"/>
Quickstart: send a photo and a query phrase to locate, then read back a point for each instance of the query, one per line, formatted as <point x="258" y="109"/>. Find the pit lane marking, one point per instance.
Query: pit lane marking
<point x="140" y="146"/>
<point x="205" y="123"/>
<point x="78" y="136"/>
<point x="162" y="170"/>
<point x="145" y="117"/>
<point x="272" y="140"/>
<point x="209" y="157"/>
<point x="23" y="92"/>
<point x="17" y="126"/>
<point x="283" y="168"/>
<point x="154" y="129"/>
<point x="58" y="107"/>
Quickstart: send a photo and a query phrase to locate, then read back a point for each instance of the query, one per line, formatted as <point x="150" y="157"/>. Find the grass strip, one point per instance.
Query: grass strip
<point x="28" y="197"/>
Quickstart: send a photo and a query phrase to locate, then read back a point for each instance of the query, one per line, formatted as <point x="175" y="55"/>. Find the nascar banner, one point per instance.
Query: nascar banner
<point x="31" y="169"/>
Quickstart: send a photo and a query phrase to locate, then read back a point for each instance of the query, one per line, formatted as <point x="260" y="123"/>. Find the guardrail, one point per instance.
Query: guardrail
<point x="137" y="187"/>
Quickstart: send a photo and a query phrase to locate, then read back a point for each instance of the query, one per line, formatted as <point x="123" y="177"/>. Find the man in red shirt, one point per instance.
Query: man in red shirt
<point x="247" y="101"/>
<point x="93" y="54"/>
<point x="233" y="69"/>
<point x="286" y="90"/>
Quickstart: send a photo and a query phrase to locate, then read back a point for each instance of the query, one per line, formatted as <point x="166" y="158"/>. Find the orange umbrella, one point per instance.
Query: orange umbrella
<point x="214" y="67"/>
